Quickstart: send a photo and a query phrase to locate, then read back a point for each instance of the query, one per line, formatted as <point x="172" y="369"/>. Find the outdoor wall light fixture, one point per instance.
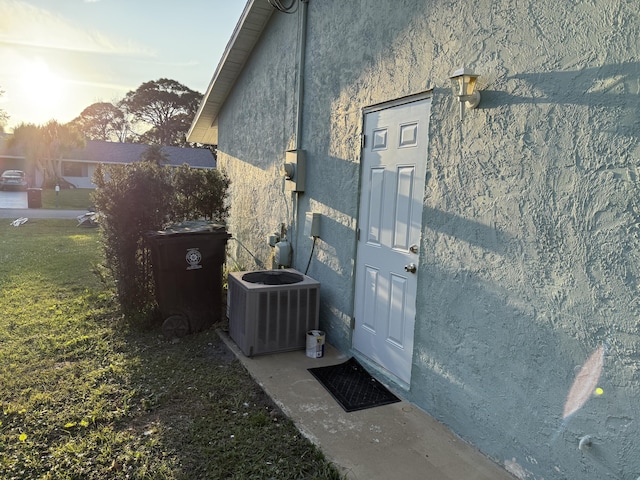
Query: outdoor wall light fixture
<point x="463" y="84"/>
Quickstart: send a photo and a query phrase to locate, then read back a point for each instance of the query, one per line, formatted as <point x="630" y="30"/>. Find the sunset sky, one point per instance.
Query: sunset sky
<point x="59" y="56"/>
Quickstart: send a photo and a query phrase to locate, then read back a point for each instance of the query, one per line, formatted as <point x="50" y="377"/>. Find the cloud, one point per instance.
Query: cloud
<point x="22" y="24"/>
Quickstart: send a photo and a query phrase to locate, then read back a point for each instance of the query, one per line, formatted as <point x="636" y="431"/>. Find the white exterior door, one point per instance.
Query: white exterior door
<point x="390" y="222"/>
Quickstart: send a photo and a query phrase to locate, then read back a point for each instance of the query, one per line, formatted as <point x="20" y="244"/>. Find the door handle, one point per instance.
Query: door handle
<point x="410" y="268"/>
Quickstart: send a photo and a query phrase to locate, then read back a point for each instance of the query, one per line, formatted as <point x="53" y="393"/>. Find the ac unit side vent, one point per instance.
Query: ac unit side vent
<point x="272" y="318"/>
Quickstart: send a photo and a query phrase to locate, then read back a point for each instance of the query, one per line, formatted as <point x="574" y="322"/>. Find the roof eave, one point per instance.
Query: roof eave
<point x="254" y="18"/>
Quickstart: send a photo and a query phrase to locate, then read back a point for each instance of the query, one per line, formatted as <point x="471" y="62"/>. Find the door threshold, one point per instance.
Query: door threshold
<point x="383" y="375"/>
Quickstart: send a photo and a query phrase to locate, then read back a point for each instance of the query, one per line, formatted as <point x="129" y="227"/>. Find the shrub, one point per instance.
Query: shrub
<point x="200" y="194"/>
<point x="145" y="196"/>
<point x="131" y="199"/>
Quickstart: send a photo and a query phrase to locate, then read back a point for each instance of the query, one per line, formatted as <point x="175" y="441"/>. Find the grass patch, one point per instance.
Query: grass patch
<point x="70" y="199"/>
<point x="84" y="397"/>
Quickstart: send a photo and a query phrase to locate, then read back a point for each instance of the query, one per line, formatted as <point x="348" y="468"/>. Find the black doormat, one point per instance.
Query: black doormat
<point x="352" y="386"/>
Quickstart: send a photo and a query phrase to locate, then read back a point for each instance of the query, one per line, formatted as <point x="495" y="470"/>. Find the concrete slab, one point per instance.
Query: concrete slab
<point x="392" y="441"/>
<point x="10" y="199"/>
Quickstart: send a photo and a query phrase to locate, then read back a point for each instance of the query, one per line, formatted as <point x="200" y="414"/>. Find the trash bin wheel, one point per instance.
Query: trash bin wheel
<point x="175" y="326"/>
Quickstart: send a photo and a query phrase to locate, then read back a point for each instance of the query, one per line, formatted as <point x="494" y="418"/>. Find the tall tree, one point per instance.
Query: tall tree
<point x="154" y="154"/>
<point x="165" y="107"/>
<point x="102" y="121"/>
<point x="44" y="147"/>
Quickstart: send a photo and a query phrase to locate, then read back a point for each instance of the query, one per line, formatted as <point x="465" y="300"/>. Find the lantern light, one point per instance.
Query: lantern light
<point x="463" y="84"/>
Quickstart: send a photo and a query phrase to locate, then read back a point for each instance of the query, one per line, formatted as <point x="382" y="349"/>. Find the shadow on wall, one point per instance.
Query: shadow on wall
<point x="606" y="87"/>
<point x="519" y="348"/>
<point x="238" y="265"/>
<point x="272" y="117"/>
<point x="335" y="270"/>
<point x="474" y="233"/>
<point x="559" y="362"/>
<point x="531" y="374"/>
<point x="615" y="84"/>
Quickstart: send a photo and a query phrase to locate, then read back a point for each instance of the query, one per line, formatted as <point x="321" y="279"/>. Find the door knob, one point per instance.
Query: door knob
<point x="411" y="268"/>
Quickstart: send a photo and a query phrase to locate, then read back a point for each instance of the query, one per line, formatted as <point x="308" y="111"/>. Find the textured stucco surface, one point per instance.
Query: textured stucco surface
<point x="529" y="259"/>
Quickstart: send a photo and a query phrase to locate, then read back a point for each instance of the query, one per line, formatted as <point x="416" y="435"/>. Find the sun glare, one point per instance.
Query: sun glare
<point x="43" y="89"/>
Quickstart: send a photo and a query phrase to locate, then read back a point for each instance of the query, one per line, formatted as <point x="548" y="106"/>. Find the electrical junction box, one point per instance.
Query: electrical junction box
<point x="282" y="253"/>
<point x="312" y="224"/>
<point x="294" y="170"/>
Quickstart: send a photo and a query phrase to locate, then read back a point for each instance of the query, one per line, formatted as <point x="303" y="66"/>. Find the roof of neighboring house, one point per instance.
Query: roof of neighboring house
<point x="96" y="151"/>
<point x="253" y="20"/>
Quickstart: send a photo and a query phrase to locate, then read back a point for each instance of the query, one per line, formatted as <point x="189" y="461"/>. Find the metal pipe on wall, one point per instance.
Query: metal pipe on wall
<point x="302" y="33"/>
<point x="301" y="65"/>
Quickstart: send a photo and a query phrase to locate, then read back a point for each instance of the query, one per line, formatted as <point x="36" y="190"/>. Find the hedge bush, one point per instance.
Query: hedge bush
<point x="144" y="196"/>
<point x="200" y="194"/>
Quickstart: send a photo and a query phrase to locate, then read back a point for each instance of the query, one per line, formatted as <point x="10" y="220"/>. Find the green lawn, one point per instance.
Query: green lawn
<point x="85" y="397"/>
<point x="72" y="199"/>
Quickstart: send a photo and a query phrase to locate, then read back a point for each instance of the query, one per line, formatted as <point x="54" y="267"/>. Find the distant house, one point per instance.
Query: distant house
<point x="79" y="165"/>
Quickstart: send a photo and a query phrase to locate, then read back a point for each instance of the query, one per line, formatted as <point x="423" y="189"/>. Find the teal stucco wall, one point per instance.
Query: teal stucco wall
<point x="528" y="327"/>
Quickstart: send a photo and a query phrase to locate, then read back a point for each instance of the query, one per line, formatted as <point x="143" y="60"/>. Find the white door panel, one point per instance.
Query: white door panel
<point x="393" y="176"/>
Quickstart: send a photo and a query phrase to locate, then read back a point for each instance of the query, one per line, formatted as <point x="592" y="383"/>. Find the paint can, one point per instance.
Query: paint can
<point x="315" y="344"/>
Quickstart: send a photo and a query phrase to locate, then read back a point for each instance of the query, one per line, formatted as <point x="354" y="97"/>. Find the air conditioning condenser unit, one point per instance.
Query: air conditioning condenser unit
<point x="272" y="310"/>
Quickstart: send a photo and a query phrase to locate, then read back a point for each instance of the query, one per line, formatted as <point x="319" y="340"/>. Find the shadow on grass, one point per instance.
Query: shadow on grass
<point x="200" y="410"/>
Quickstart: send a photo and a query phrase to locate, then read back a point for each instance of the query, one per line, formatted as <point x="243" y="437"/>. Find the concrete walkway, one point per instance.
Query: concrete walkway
<point x="397" y="441"/>
<point x="11" y="199"/>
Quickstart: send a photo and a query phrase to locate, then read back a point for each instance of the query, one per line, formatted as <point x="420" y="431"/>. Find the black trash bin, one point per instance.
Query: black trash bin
<point x="187" y="269"/>
<point x="34" y="197"/>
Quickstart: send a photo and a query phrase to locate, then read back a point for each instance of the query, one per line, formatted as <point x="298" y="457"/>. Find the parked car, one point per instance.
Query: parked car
<point x="13" y="179"/>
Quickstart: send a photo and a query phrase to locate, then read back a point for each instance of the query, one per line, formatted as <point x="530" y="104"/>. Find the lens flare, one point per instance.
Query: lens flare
<point x="585" y="383"/>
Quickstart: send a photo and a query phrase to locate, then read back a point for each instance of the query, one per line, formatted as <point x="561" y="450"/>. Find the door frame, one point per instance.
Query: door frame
<point x="417" y="97"/>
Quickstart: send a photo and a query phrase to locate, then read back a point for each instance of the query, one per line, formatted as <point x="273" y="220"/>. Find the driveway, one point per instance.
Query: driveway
<point x="14" y="205"/>
<point x="13" y="199"/>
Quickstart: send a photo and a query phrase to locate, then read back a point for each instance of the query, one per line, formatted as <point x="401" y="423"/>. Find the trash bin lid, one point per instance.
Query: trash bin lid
<point x="189" y="228"/>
